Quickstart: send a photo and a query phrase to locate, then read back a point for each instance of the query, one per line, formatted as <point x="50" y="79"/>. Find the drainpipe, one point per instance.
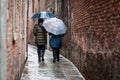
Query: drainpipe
<point x="27" y="27"/>
<point x="3" y="37"/>
<point x="25" y="38"/>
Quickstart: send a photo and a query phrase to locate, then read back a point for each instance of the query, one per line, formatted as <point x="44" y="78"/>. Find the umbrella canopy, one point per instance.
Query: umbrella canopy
<point x="42" y="15"/>
<point x="55" y="26"/>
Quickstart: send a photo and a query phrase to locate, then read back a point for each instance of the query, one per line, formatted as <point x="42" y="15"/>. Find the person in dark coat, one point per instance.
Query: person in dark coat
<point x="55" y="44"/>
<point x="40" y="39"/>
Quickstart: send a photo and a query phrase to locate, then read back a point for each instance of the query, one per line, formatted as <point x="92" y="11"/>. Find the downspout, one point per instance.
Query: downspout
<point x="25" y="30"/>
<point x="27" y="27"/>
<point x="3" y="38"/>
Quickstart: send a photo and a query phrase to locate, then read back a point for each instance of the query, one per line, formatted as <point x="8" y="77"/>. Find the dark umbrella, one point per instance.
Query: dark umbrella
<point x="42" y="15"/>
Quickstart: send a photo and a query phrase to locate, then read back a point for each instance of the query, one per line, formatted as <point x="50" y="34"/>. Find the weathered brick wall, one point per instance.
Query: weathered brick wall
<point x="93" y="37"/>
<point x="32" y="22"/>
<point x="49" y="4"/>
<point x="15" y="43"/>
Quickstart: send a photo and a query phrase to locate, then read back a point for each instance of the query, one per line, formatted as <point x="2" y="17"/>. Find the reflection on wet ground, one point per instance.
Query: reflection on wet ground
<point x="47" y="70"/>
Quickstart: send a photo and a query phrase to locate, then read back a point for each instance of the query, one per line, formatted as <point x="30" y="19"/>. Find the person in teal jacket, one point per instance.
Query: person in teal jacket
<point x="55" y="44"/>
<point x="40" y="39"/>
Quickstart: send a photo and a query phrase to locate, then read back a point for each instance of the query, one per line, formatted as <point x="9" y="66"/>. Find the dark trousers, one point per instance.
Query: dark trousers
<point x="56" y="54"/>
<point x="41" y="51"/>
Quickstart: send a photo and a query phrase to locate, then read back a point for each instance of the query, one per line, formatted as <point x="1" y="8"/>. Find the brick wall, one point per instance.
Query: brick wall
<point x="93" y="37"/>
<point x="50" y="5"/>
<point x="15" y="39"/>
<point x="32" y="22"/>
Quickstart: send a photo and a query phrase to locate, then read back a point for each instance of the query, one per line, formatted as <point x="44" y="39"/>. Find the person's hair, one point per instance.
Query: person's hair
<point x="40" y="20"/>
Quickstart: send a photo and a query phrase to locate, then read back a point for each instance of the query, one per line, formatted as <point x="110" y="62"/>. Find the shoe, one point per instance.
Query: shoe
<point x="42" y="59"/>
<point x="39" y="60"/>
<point x="54" y="60"/>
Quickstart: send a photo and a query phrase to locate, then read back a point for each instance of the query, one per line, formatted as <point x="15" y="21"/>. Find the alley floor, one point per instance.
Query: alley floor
<point x="47" y="70"/>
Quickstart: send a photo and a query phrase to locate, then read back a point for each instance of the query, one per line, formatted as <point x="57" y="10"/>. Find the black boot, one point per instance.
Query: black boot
<point x="54" y="60"/>
<point x="42" y="58"/>
<point x="38" y="51"/>
<point x="42" y="53"/>
<point x="39" y="60"/>
<point x="54" y="55"/>
<point x="58" y="58"/>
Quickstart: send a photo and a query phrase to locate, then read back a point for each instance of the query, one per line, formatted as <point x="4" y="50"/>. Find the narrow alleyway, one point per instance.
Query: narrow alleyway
<point x="47" y="70"/>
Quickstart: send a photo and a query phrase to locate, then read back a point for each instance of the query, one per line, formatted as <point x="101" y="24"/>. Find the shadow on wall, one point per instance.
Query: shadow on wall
<point x="101" y="67"/>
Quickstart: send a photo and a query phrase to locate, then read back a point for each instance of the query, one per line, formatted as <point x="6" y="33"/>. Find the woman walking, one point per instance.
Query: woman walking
<point x="40" y="39"/>
<point x="55" y="44"/>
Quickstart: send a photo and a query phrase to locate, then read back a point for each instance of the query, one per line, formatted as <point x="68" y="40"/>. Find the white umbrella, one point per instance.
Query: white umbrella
<point x="55" y="26"/>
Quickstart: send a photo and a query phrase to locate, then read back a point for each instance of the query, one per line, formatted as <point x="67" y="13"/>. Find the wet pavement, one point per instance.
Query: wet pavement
<point x="47" y="70"/>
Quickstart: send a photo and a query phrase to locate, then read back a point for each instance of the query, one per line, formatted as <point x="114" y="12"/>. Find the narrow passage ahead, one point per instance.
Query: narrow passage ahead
<point x="47" y="70"/>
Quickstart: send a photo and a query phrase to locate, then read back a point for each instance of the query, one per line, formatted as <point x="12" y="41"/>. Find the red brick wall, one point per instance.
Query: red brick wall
<point x="31" y="22"/>
<point x="93" y="37"/>
<point x="50" y="4"/>
<point x="15" y="48"/>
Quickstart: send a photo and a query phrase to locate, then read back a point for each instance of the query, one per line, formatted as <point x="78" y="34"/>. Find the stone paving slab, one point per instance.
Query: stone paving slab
<point x="47" y="70"/>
